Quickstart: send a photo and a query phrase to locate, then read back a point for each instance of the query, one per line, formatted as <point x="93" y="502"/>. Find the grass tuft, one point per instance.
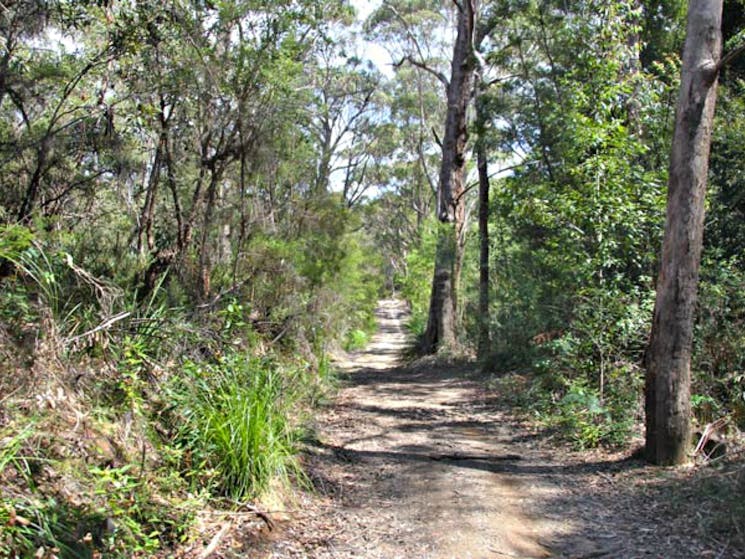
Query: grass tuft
<point x="234" y="426"/>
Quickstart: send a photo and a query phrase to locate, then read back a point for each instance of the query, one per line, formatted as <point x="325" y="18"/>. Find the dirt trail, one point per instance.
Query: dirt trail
<point x="419" y="464"/>
<point x="441" y="468"/>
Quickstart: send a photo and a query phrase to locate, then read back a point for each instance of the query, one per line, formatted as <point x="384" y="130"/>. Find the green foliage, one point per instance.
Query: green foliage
<point x="589" y="380"/>
<point x="14" y="240"/>
<point x="355" y="340"/>
<point x="581" y="416"/>
<point x="594" y="381"/>
<point x="577" y="226"/>
<point x="725" y="229"/>
<point x="27" y="525"/>
<point x="233" y="424"/>
<point x="121" y="520"/>
<point x="587" y="419"/>
<point x="157" y="158"/>
<point x="352" y="295"/>
<point x="416" y="280"/>
<point x="609" y="329"/>
<point x="131" y="523"/>
<point x="11" y="453"/>
<point x="44" y="271"/>
<point x="719" y="342"/>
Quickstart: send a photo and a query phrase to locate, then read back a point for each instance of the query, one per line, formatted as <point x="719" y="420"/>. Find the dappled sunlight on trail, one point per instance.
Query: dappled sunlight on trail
<point x="387" y="343"/>
<point x="415" y="469"/>
<point x="420" y="462"/>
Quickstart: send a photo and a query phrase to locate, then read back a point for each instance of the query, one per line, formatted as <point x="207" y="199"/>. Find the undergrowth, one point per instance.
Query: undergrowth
<point x="584" y="381"/>
<point x="124" y="418"/>
<point x="355" y="340"/>
<point x="573" y="410"/>
<point x="233" y="420"/>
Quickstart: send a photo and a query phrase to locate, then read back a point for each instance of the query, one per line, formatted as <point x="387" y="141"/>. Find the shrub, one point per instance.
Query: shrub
<point x="719" y="342"/>
<point x="415" y="282"/>
<point x="586" y="420"/>
<point x="591" y="375"/>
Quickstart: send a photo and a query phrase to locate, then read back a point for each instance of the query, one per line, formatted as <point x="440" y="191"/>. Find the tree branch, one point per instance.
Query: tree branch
<point x="437" y="138"/>
<point x="485" y="27"/>
<point x="421" y="65"/>
<point x="500" y="79"/>
<point x="423" y="163"/>
<point x="730" y="56"/>
<point x="418" y="63"/>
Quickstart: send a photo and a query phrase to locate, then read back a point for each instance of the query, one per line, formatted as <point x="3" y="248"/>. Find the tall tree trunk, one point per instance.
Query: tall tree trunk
<point x="452" y="169"/>
<point x="441" y="323"/>
<point x="633" y="67"/>
<point x="440" y="331"/>
<point x="668" y="359"/>
<point x="483" y="169"/>
<point x="323" y="169"/>
<point x="34" y="185"/>
<point x="145" y="233"/>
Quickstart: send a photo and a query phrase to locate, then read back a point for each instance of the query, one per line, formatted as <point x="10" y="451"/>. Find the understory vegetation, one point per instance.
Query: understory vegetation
<point x="126" y="418"/>
<point x="175" y="268"/>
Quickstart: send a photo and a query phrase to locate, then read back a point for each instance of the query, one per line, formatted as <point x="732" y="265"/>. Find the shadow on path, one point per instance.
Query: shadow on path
<point x="423" y="463"/>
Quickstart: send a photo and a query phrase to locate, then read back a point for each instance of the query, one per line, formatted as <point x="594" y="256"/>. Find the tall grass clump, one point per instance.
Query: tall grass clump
<point x="234" y="425"/>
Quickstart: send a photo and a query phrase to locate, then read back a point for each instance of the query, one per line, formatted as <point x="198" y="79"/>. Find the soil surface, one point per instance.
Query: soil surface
<point x="424" y="462"/>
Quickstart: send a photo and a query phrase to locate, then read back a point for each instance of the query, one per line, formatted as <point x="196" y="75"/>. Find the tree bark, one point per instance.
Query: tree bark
<point x="668" y="359"/>
<point x="441" y="323"/>
<point x="145" y="233"/>
<point x="452" y="169"/>
<point x="34" y="185"/>
<point x="483" y="169"/>
<point x="440" y="332"/>
<point x="205" y="254"/>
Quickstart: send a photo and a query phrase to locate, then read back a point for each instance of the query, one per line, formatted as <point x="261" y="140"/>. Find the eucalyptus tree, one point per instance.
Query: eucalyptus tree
<point x="343" y="114"/>
<point x="442" y="323"/>
<point x="482" y="163"/>
<point x="399" y="17"/>
<point x="53" y="110"/>
<point x="416" y="36"/>
<point x="406" y="157"/>
<point x="579" y="217"/>
<point x="209" y="87"/>
<point x="668" y="359"/>
<point x="415" y="106"/>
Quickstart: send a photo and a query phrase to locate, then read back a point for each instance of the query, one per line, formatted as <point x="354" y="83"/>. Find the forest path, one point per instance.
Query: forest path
<point x="419" y="463"/>
<point x="431" y="475"/>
